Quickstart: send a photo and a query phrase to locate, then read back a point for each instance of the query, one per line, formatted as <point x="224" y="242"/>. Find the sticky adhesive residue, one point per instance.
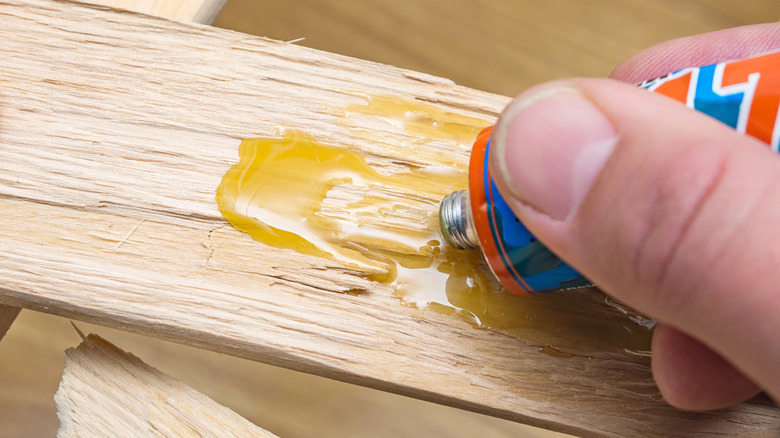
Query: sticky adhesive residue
<point x="328" y="201"/>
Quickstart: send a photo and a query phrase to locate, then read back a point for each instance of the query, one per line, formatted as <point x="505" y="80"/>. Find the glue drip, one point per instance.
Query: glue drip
<point x="327" y="201"/>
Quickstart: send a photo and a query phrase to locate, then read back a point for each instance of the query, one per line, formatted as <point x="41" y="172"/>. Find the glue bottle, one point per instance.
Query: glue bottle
<point x="744" y="94"/>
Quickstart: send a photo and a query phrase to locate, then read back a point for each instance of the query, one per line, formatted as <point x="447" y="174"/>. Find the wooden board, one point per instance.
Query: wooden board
<point x="200" y="11"/>
<point x="114" y="142"/>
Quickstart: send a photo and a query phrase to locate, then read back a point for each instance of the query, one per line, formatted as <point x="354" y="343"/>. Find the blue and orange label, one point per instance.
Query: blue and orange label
<point x="521" y="263"/>
<point x="743" y="94"/>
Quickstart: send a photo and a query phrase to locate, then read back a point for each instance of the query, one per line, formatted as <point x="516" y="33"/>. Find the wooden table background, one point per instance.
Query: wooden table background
<point x="480" y="44"/>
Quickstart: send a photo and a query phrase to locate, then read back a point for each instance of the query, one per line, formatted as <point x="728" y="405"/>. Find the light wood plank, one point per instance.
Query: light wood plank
<point x="202" y="11"/>
<point x="114" y="137"/>
<point x="8" y="315"/>
<point x="198" y="11"/>
<point x="107" y="392"/>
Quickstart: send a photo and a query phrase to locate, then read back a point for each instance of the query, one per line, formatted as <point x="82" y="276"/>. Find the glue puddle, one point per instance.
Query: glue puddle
<point x="328" y="201"/>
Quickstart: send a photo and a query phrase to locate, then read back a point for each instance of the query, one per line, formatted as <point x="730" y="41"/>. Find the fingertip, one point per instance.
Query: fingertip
<point x="693" y="377"/>
<point x="548" y="147"/>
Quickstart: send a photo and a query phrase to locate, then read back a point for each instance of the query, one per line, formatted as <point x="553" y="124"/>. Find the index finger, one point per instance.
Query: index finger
<point x="699" y="50"/>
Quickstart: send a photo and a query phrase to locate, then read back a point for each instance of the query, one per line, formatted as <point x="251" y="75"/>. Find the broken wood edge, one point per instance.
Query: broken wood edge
<point x="106" y="391"/>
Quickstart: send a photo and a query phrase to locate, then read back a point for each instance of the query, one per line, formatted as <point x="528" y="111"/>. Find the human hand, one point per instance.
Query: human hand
<point x="671" y="212"/>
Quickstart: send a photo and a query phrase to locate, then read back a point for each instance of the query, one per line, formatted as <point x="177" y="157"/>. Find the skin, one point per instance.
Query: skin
<point x="665" y="209"/>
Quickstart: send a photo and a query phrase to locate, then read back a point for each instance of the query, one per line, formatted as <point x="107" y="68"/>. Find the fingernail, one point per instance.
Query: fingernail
<point x="548" y="148"/>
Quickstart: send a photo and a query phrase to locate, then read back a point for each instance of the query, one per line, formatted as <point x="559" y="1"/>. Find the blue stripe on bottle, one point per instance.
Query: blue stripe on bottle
<point x="722" y="107"/>
<point x="522" y="254"/>
<point x="491" y="195"/>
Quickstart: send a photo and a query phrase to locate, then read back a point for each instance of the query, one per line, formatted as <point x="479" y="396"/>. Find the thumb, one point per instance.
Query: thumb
<point x="669" y="211"/>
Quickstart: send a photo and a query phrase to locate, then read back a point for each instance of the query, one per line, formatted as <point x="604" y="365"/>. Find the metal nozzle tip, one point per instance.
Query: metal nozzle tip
<point x="456" y="221"/>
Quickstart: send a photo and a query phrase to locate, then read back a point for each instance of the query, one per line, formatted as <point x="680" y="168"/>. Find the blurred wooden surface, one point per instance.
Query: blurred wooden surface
<point x="501" y="46"/>
<point x="8" y="315"/>
<point x="475" y="43"/>
<point x="287" y="403"/>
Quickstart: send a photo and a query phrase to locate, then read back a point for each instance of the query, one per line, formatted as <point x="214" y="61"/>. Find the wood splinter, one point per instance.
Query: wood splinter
<point x="197" y="11"/>
<point x="106" y="391"/>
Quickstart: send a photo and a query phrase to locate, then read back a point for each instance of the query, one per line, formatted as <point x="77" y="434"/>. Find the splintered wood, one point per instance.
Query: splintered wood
<point x="198" y="11"/>
<point x="107" y="392"/>
<point x="115" y="131"/>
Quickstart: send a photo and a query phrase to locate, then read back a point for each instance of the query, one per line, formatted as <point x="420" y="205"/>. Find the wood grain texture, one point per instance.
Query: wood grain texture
<point x="8" y="315"/>
<point x="198" y="11"/>
<point x="115" y="132"/>
<point x="107" y="392"/>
